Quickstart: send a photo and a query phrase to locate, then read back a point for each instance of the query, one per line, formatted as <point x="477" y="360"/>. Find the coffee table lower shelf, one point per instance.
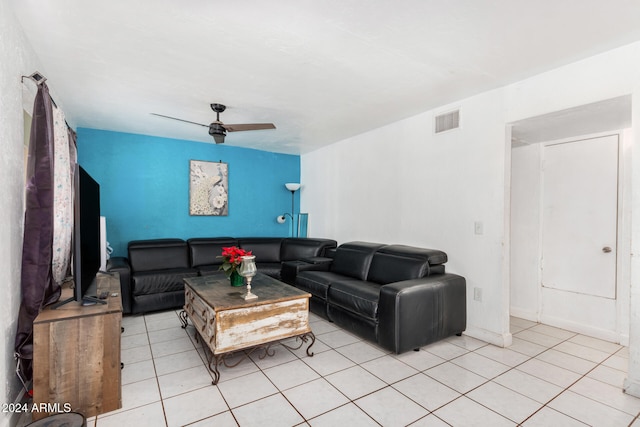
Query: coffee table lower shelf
<point x="214" y="360"/>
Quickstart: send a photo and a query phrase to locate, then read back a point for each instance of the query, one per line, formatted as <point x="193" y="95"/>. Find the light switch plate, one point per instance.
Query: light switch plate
<point x="478" y="227"/>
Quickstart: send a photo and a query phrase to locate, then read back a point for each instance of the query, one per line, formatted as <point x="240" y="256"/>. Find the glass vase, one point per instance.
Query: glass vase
<point x="236" y="279"/>
<point x="303" y="223"/>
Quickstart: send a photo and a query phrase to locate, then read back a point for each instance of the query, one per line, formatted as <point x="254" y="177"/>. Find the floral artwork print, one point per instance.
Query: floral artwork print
<point x="208" y="188"/>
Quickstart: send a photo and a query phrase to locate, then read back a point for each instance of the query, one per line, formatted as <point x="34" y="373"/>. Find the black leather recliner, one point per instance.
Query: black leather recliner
<point x="397" y="296"/>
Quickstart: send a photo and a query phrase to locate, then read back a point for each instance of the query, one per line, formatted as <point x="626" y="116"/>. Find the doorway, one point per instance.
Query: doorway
<point x="568" y="228"/>
<point x="579" y="233"/>
<point x="531" y="141"/>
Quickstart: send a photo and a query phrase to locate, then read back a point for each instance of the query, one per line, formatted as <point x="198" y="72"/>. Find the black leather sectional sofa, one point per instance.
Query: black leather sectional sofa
<point x="151" y="278"/>
<point x="397" y="296"/>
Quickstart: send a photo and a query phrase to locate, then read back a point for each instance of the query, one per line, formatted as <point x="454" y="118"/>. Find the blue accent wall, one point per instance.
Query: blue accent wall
<point x="144" y="187"/>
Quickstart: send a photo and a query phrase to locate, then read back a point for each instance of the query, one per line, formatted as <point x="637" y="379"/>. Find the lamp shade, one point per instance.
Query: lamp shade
<point x="292" y="186"/>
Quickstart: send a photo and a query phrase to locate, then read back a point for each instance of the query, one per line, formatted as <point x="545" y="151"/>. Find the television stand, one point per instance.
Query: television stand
<point x="76" y="354"/>
<point x="87" y="301"/>
<point x="61" y="303"/>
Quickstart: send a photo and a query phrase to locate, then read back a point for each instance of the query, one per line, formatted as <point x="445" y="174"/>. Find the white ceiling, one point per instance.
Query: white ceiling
<point x="321" y="71"/>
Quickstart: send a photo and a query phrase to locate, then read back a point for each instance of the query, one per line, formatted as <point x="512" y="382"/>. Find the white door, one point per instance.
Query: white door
<point x="579" y="233"/>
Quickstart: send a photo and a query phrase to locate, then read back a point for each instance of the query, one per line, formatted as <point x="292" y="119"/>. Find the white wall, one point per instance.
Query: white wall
<point x="525" y="231"/>
<point x="402" y="184"/>
<point x="605" y="76"/>
<point x="17" y="59"/>
<point x="632" y="383"/>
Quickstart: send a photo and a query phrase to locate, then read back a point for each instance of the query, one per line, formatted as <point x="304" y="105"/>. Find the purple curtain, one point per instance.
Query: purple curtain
<point x="37" y="285"/>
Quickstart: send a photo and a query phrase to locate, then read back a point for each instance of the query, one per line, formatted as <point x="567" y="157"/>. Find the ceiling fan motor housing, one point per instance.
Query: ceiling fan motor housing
<point x="218" y="132"/>
<point x="218" y="108"/>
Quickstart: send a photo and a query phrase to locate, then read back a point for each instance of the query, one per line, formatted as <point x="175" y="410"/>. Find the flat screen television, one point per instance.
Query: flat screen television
<point x="86" y="238"/>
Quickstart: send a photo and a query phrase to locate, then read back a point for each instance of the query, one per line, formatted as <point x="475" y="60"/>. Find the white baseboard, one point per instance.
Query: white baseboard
<point x="524" y="313"/>
<point x="500" y="340"/>
<point x="631" y="387"/>
<point x="624" y="340"/>
<point x="581" y="328"/>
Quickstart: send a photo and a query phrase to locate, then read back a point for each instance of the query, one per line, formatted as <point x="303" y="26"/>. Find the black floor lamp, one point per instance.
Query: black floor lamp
<point x="293" y="187"/>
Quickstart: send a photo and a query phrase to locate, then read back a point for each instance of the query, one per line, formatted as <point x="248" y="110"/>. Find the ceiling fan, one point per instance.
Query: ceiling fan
<point x="218" y="130"/>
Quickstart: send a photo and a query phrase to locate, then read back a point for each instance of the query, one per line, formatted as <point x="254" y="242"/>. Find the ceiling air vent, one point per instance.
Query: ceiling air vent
<point x="447" y="121"/>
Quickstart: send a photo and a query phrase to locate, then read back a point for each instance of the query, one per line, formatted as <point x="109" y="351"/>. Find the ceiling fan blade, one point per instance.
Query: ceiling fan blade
<point x="248" y="126"/>
<point x="175" y="118"/>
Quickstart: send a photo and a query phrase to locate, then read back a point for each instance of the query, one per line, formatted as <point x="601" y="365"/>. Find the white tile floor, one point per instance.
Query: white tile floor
<point x="548" y="377"/>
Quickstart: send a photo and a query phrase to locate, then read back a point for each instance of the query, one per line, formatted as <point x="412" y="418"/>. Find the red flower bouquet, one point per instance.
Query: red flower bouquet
<point x="231" y="259"/>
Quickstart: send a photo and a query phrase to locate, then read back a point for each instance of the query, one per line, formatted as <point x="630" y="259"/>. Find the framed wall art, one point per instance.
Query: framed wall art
<point x="208" y="188"/>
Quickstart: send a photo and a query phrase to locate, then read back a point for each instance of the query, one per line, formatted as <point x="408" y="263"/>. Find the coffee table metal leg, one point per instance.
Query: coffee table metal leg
<point x="184" y="319"/>
<point x="215" y="371"/>
<point x="304" y="338"/>
<point x="217" y="359"/>
<point x="214" y="360"/>
<point x="266" y="351"/>
<point x="313" y="341"/>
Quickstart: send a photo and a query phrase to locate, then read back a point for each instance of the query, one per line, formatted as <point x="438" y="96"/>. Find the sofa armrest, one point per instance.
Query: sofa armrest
<point x="121" y="265"/>
<point x="290" y="269"/>
<point x="417" y="312"/>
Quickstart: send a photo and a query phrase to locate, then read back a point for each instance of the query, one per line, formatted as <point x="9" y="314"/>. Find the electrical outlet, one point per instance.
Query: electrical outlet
<point x="478" y="227"/>
<point x="477" y="294"/>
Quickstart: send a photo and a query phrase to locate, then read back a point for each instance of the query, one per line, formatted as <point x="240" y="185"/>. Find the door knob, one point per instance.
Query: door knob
<point x="606" y="249"/>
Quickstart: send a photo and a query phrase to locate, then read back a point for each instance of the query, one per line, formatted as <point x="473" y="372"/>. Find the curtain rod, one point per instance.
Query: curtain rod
<point x="37" y="77"/>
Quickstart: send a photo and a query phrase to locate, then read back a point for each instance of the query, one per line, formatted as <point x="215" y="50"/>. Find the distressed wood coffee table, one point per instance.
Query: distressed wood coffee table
<point x="227" y="323"/>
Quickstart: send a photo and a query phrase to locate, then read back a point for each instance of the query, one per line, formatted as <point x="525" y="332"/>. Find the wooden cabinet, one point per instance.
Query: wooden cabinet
<point x="76" y="354"/>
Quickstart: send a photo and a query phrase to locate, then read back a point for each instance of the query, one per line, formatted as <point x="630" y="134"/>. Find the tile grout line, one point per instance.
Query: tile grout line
<point x="153" y="362"/>
<point x="598" y="364"/>
<point x="391" y="385"/>
<point x="508" y="370"/>
<point x="208" y="367"/>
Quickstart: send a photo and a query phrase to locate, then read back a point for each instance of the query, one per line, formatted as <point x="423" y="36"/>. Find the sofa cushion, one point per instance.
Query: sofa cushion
<point x="354" y="323"/>
<point x="265" y="249"/>
<point x="269" y="268"/>
<point x="357" y="296"/>
<point x="436" y="269"/>
<point x="394" y="263"/>
<point x="159" y="301"/>
<point x="316" y="282"/>
<point x="208" y="251"/>
<point x="206" y="270"/>
<point x="153" y="282"/>
<point x="299" y="248"/>
<point x="353" y="259"/>
<point x="158" y="254"/>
